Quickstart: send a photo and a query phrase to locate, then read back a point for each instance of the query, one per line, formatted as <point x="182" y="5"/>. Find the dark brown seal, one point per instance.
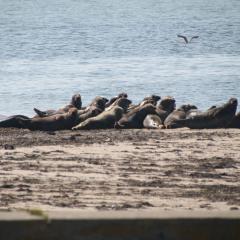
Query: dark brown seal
<point x="52" y="123"/>
<point x="14" y="121"/>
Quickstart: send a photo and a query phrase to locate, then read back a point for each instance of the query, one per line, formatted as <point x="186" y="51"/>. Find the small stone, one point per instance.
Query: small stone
<point x="8" y="147"/>
<point x="234" y="208"/>
<point x="7" y="185"/>
<point x="72" y="138"/>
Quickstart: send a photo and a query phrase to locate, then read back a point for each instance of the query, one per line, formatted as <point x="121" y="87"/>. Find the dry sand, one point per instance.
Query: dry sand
<point x="120" y="169"/>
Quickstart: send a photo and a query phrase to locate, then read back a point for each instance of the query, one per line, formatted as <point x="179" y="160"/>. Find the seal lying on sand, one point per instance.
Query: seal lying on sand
<point x="181" y="113"/>
<point x="76" y="102"/>
<point x="135" y="118"/>
<point x="104" y="120"/>
<point x="14" y="121"/>
<point x="217" y="117"/>
<point x="19" y="121"/>
<point x="52" y="123"/>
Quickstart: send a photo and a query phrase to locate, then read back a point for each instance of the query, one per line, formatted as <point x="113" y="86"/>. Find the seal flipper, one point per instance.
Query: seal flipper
<point x="40" y="113"/>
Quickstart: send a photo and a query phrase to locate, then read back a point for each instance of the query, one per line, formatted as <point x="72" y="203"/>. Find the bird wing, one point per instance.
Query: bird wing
<point x="194" y="37"/>
<point x="185" y="38"/>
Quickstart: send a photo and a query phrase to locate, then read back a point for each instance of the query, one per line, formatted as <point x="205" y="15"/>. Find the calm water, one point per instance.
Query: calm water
<point x="52" y="49"/>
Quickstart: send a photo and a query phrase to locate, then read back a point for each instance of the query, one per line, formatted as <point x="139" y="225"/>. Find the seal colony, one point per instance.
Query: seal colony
<point x="119" y="112"/>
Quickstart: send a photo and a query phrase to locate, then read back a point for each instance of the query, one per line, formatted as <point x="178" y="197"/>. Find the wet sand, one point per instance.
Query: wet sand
<point x="120" y="170"/>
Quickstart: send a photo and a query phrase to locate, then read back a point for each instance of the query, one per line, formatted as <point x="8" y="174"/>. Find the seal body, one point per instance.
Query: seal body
<point x="152" y="121"/>
<point x="106" y="119"/>
<point x="14" y="121"/>
<point x="135" y="118"/>
<point x="215" y="117"/>
<point x="52" y="123"/>
<point x="173" y="119"/>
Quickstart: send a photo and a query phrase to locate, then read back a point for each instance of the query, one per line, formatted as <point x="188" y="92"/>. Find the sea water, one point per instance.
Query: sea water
<point x="52" y="49"/>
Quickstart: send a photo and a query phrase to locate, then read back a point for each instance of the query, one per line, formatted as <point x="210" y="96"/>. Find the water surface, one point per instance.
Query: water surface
<point x="52" y="49"/>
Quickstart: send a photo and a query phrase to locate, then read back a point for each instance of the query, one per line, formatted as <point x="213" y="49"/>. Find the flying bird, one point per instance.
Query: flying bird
<point x="185" y="38"/>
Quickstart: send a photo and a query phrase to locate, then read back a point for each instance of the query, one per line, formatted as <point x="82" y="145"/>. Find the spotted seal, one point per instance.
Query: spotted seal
<point x="152" y="121"/>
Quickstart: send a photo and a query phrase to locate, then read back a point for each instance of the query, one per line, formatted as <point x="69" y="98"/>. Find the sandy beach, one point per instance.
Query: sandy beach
<point x="120" y="170"/>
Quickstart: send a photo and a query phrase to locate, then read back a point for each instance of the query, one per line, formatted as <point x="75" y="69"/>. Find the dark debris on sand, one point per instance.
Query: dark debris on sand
<point x="27" y="138"/>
